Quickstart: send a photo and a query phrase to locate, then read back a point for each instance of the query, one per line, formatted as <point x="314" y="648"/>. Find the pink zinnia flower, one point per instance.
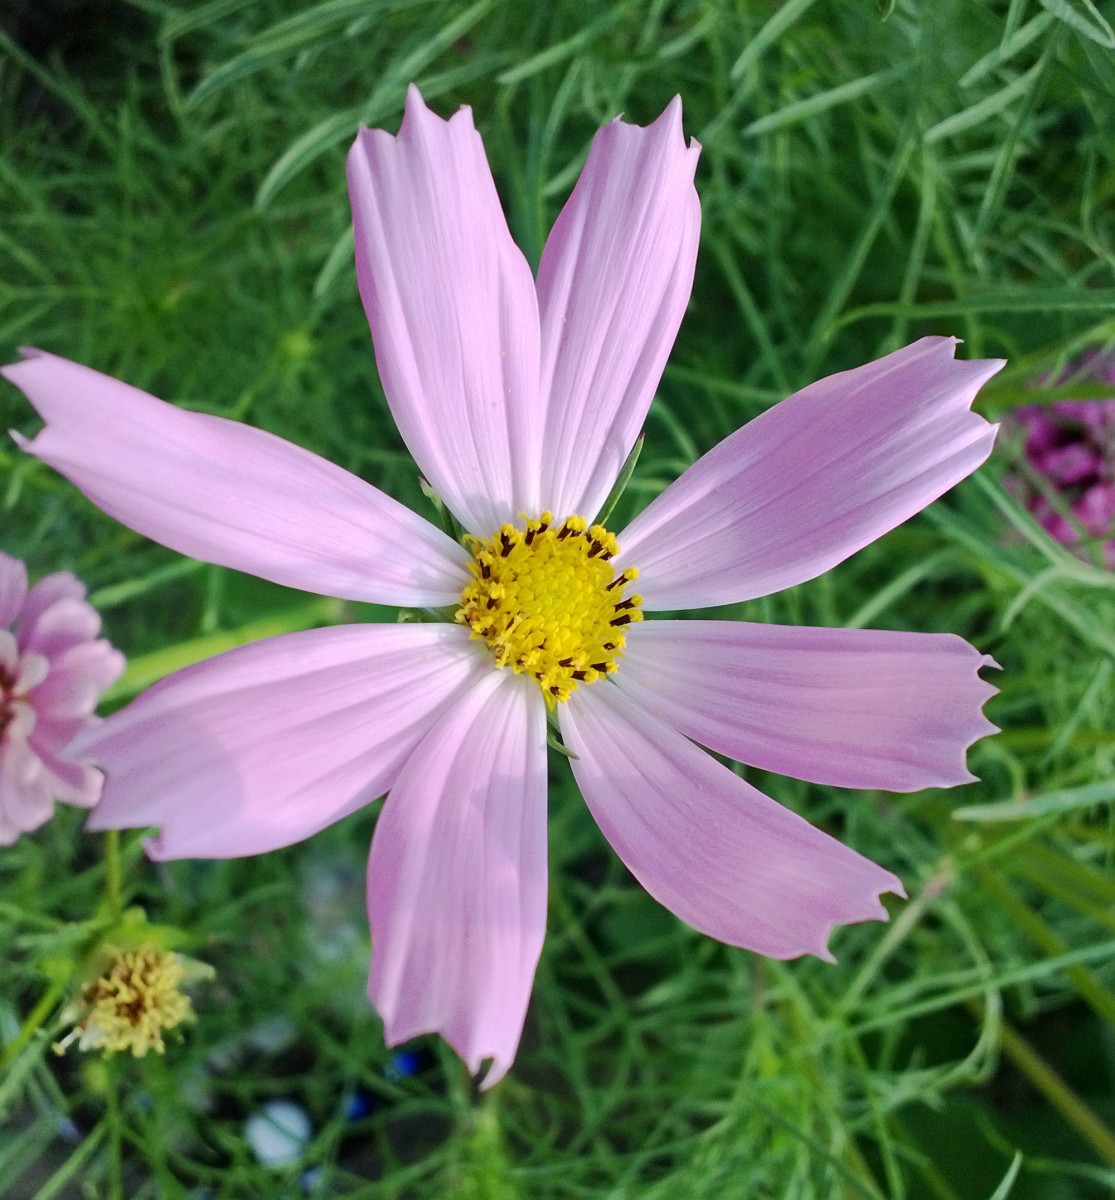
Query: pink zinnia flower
<point x="53" y="668"/>
<point x="1070" y="446"/>
<point x="520" y="401"/>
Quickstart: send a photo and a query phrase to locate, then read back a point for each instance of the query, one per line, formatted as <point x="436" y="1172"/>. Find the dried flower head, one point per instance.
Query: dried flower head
<point x="134" y="999"/>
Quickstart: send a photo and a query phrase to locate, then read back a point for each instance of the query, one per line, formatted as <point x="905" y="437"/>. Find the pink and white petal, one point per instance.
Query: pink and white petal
<point x="13" y="588"/>
<point x="21" y="722"/>
<point x="9" y="652"/>
<point x="457" y="877"/>
<point x="25" y="802"/>
<point x="269" y="743"/>
<point x="49" y="592"/>
<point x="64" y="778"/>
<point x="9" y="830"/>
<point x="76" y="679"/>
<point x="857" y="708"/>
<point x="33" y="669"/>
<point x="813" y="480"/>
<point x="721" y="855"/>
<point x="451" y="304"/>
<point x="53" y="630"/>
<point x="231" y="494"/>
<point x="613" y="286"/>
<point x="63" y="773"/>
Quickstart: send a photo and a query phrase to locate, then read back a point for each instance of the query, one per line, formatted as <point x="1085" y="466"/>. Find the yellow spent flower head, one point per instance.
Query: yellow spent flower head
<point x="132" y="1002"/>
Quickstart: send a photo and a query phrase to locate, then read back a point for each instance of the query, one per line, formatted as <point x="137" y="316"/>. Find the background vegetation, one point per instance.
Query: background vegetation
<point x="173" y="211"/>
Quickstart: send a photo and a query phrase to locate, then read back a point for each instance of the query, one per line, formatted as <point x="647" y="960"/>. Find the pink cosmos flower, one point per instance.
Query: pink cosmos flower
<point x="520" y="400"/>
<point x="1070" y="445"/>
<point x="53" y="668"/>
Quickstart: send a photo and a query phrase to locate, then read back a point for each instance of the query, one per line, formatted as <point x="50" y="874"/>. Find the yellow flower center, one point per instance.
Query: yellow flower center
<point x="129" y="1006"/>
<point x="548" y="602"/>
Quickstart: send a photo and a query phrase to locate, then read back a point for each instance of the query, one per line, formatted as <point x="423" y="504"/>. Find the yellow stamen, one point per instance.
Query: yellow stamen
<point x="128" y="1006"/>
<point x="548" y="602"/>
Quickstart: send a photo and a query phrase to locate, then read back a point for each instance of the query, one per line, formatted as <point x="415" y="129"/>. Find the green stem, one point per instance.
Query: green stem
<point x="32" y="1023"/>
<point x="1059" y="1094"/>
<point x="115" y="1141"/>
<point x="113" y="890"/>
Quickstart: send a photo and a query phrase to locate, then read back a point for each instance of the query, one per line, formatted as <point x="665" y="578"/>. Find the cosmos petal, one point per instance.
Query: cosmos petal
<point x="451" y="304"/>
<point x="813" y="479"/>
<point x="857" y="708"/>
<point x="457" y="877"/>
<point x="725" y="858"/>
<point x="231" y="494"/>
<point x="266" y="744"/>
<point x="613" y="286"/>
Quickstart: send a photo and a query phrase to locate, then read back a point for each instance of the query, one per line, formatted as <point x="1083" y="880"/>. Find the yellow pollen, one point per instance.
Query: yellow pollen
<point x="548" y="602"/>
<point x="127" y="1007"/>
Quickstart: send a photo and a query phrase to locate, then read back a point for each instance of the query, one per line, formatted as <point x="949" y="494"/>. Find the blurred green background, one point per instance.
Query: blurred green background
<point x="173" y="211"/>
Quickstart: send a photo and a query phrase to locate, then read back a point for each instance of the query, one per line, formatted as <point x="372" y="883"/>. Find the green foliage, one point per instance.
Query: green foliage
<point x="173" y="211"/>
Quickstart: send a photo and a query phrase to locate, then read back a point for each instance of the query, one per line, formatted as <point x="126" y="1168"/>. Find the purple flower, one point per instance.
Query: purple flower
<point x="53" y="668"/>
<point x="520" y="400"/>
<point x="1069" y="446"/>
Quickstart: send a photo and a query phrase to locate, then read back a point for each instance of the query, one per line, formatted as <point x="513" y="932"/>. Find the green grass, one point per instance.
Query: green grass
<point x="173" y="211"/>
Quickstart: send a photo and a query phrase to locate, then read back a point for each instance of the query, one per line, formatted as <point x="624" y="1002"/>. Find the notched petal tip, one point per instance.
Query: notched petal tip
<point x="873" y="910"/>
<point x="497" y="1069"/>
<point x="670" y="120"/>
<point x="154" y="847"/>
<point x="486" y="1066"/>
<point x="418" y="116"/>
<point x="982" y="725"/>
<point x="667" y="126"/>
<point x="981" y="369"/>
<point x="29" y="354"/>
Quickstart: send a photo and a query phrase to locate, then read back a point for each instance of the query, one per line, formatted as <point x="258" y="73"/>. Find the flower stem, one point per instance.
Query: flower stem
<point x="32" y="1023"/>
<point x="1082" y="1118"/>
<point x="115" y="1140"/>
<point x="113" y="892"/>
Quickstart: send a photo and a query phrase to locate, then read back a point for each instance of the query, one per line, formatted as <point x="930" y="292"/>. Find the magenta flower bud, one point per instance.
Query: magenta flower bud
<point x="1069" y="447"/>
<point x="53" y="668"/>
